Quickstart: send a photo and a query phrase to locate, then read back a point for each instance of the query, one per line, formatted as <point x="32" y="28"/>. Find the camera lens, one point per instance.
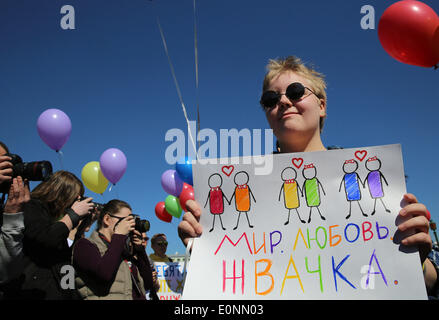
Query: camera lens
<point x="142" y="225"/>
<point x="36" y="171"/>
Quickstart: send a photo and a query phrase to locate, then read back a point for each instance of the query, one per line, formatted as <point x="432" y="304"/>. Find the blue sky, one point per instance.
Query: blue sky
<point x="111" y="76"/>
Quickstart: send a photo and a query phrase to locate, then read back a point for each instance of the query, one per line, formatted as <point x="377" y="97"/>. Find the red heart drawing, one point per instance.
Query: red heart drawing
<point x="360" y="154"/>
<point x="227" y="170"/>
<point x="297" y="162"/>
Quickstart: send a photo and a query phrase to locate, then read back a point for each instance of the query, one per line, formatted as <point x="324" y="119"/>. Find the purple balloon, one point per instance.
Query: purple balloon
<point x="54" y="128"/>
<point x="113" y="164"/>
<point x="172" y="183"/>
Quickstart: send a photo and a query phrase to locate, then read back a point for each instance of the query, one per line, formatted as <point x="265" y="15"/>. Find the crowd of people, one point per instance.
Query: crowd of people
<point x="43" y="231"/>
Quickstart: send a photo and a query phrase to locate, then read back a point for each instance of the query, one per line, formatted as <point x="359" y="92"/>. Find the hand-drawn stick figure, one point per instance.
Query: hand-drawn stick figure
<point x="242" y="195"/>
<point x="352" y="182"/>
<point x="216" y="198"/>
<point x="374" y="181"/>
<point x="312" y="186"/>
<point x="291" y="191"/>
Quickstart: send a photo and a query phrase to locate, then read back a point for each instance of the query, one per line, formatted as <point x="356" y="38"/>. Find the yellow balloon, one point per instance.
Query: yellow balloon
<point x="93" y="178"/>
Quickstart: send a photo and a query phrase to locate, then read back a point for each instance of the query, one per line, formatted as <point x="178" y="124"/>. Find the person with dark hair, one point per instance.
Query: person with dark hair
<point x="140" y="241"/>
<point x="12" y="226"/>
<point x="53" y="211"/>
<point x="105" y="266"/>
<point x="3" y="148"/>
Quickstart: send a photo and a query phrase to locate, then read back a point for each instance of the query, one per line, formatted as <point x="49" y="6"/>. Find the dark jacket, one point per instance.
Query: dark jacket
<point x="46" y="250"/>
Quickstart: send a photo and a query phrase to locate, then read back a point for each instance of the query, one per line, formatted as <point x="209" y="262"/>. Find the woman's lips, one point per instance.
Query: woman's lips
<point x="288" y="115"/>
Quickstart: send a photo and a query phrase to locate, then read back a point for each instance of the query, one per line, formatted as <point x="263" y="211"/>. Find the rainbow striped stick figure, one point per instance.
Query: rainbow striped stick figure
<point x="375" y="181"/>
<point x="291" y="191"/>
<point x="242" y="195"/>
<point x="352" y="182"/>
<point x="312" y="186"/>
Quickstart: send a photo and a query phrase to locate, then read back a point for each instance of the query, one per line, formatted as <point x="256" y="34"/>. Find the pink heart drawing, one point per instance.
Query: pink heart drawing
<point x="227" y="170"/>
<point x="360" y="154"/>
<point x="297" y="162"/>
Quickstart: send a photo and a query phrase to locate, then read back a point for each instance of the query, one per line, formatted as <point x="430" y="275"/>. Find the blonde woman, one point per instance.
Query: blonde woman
<point x="295" y="104"/>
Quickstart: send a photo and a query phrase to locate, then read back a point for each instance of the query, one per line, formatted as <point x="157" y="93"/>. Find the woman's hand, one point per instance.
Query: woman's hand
<point x="83" y="207"/>
<point x="155" y="280"/>
<point x="137" y="239"/>
<point x="18" y="195"/>
<point x="5" y="168"/>
<point x="416" y="224"/>
<point x="190" y="227"/>
<point x="125" y="226"/>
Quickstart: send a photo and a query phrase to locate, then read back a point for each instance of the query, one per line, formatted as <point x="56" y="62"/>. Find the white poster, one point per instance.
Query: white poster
<point x="170" y="277"/>
<point x="320" y="225"/>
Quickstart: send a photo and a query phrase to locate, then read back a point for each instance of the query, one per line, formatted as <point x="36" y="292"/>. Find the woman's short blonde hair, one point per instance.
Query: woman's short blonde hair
<point x="275" y="67"/>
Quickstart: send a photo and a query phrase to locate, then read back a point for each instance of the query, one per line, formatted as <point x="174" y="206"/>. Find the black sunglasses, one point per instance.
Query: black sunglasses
<point x="120" y="218"/>
<point x="294" y="92"/>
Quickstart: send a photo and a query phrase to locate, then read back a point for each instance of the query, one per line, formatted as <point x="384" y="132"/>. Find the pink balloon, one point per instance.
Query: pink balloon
<point x="54" y="128"/>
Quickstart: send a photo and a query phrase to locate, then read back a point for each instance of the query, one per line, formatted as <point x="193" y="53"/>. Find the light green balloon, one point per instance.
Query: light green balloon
<point x="172" y="205"/>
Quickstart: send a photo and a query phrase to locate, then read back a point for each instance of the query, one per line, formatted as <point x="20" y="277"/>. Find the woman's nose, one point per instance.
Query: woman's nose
<point x="284" y="101"/>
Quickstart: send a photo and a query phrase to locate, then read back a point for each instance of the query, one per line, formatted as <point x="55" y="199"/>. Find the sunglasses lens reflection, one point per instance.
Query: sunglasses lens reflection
<point x="295" y="91"/>
<point x="270" y="99"/>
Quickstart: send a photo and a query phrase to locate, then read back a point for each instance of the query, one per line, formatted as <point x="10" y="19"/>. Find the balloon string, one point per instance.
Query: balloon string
<point x="117" y="193"/>
<point x="176" y="83"/>
<point x="196" y="70"/>
<point x="172" y="222"/>
<point x="60" y="157"/>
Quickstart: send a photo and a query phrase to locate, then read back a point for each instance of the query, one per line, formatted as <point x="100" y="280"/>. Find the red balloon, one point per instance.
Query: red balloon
<point x="409" y="31"/>
<point x="186" y="194"/>
<point x="161" y="212"/>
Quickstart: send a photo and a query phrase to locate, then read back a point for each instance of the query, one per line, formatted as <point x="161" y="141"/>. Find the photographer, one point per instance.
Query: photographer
<point x="84" y="225"/>
<point x="12" y="225"/>
<point x="53" y="211"/>
<point x="105" y="266"/>
<point x="140" y="241"/>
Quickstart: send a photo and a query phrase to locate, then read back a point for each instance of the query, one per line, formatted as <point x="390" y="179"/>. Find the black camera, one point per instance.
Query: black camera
<point x="88" y="220"/>
<point x="141" y="225"/>
<point x="96" y="205"/>
<point x="32" y="171"/>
